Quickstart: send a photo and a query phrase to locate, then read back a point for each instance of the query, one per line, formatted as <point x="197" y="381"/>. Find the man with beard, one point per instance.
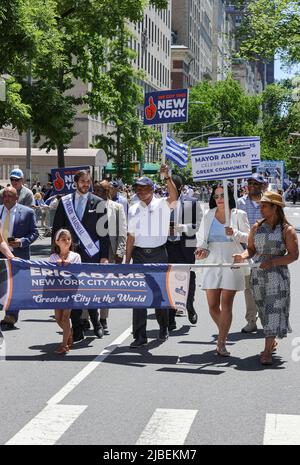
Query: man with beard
<point x="250" y="203"/>
<point x="82" y="205"/>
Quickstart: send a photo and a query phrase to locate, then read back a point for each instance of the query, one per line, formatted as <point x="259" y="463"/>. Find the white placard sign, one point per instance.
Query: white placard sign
<point x="254" y="143"/>
<point x="210" y="163"/>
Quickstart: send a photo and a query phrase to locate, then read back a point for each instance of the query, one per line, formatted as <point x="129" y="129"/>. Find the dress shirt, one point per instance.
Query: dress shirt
<point x="3" y="213"/>
<point x="149" y="224"/>
<point x="251" y="207"/>
<point x="85" y="199"/>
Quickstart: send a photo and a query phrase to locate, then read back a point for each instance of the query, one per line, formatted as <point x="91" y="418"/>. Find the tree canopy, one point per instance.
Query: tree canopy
<point x="58" y="42"/>
<point x="269" y="28"/>
<point x="226" y="109"/>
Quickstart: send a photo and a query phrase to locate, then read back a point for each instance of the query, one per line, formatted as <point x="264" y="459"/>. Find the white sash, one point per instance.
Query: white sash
<point x="82" y="234"/>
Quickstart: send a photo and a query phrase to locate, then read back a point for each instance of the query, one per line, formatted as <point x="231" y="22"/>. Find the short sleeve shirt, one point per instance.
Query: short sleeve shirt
<point x="251" y="208"/>
<point x="149" y="224"/>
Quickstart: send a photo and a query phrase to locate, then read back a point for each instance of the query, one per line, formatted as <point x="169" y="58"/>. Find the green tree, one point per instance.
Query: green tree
<point x="226" y="109"/>
<point x="58" y="42"/>
<point x="128" y="136"/>
<point x="269" y="28"/>
<point x="281" y="116"/>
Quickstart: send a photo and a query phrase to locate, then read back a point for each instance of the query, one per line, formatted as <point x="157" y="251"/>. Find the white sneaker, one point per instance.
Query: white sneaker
<point x="249" y="328"/>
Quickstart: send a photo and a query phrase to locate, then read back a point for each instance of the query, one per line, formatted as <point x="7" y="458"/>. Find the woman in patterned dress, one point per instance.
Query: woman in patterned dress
<point x="273" y="244"/>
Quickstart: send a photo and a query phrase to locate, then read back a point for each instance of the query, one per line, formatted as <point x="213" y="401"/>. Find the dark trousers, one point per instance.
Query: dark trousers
<point x="139" y="316"/>
<point x="76" y="314"/>
<point x="175" y="255"/>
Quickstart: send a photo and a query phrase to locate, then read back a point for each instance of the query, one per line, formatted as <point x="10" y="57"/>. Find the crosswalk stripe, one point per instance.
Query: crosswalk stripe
<point x="167" y="426"/>
<point x="282" y="430"/>
<point x="52" y="422"/>
<point x="48" y="426"/>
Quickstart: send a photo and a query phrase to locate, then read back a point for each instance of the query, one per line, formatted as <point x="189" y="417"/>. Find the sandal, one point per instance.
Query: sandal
<point x="70" y="340"/>
<point x="62" y="350"/>
<point x="274" y="348"/>
<point x="221" y="350"/>
<point x="266" y="359"/>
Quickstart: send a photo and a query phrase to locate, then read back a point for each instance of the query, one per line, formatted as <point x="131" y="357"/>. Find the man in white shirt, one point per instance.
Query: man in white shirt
<point x="148" y="230"/>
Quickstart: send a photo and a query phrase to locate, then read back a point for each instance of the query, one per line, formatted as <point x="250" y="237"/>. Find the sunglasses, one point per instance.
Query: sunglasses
<point x="253" y="183"/>
<point x="221" y="196"/>
<point x="15" y="179"/>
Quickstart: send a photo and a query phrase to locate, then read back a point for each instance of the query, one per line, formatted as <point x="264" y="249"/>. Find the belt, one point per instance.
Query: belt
<point x="149" y="251"/>
<point x="268" y="255"/>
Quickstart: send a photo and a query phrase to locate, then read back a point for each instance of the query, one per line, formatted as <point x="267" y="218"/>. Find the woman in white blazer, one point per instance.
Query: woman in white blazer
<point x="220" y="243"/>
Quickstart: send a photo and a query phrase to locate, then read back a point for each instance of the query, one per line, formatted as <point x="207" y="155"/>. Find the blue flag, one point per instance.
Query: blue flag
<point x="177" y="153"/>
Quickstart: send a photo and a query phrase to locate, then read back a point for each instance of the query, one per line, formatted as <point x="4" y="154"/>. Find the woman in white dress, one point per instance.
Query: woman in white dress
<point x="220" y="243"/>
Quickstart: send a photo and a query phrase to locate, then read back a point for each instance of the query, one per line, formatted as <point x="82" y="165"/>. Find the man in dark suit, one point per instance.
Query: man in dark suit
<point x="19" y="230"/>
<point x="84" y="209"/>
<point x="181" y="243"/>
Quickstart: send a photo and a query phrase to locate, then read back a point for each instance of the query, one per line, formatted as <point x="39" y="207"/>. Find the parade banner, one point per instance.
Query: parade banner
<point x="273" y="170"/>
<point x="63" y="179"/>
<point x="39" y="285"/>
<point x="253" y="142"/>
<point x="211" y="163"/>
<point x="166" y="106"/>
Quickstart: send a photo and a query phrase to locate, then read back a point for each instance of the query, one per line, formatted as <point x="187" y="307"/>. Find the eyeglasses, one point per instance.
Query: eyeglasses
<point x="221" y="196"/>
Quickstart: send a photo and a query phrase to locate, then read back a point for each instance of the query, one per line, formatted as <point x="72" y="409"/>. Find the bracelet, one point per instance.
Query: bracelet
<point x="167" y="178"/>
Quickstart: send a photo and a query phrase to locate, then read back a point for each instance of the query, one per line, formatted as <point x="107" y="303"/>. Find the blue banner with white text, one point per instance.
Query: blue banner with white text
<point x="39" y="285"/>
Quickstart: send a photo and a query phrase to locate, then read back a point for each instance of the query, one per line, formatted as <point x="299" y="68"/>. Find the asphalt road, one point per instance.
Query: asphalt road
<point x="178" y="392"/>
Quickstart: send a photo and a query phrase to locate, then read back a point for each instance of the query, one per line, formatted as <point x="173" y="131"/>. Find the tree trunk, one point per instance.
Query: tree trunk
<point x="60" y="156"/>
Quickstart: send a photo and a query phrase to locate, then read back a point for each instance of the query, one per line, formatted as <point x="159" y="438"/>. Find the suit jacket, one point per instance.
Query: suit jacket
<point x="190" y="214"/>
<point x="94" y="211"/>
<point x="25" y="228"/>
<point x="117" y="229"/>
<point x="238" y="221"/>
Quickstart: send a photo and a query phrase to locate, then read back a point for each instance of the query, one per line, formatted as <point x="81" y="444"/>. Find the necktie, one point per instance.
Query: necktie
<point x="79" y="209"/>
<point x="5" y="230"/>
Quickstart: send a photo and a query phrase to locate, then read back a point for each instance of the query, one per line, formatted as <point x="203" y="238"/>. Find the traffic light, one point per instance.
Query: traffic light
<point x="290" y="140"/>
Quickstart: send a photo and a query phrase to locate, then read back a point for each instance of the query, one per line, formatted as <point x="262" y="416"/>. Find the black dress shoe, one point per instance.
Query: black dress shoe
<point x="98" y="332"/>
<point x="77" y="335"/>
<point x="138" y="343"/>
<point x="193" y="317"/>
<point x="7" y="326"/>
<point x="163" y="334"/>
<point x="172" y="325"/>
<point x="106" y="331"/>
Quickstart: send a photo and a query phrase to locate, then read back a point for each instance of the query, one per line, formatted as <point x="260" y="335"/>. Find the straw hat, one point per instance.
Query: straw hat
<point x="273" y="197"/>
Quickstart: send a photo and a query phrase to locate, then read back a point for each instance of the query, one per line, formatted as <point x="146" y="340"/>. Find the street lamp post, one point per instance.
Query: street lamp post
<point x="203" y="135"/>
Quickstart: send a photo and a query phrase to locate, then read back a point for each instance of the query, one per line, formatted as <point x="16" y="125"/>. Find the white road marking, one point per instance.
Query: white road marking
<point x="167" y="426"/>
<point x="282" y="430"/>
<point x="60" y="395"/>
<point x="54" y="420"/>
<point x="48" y="426"/>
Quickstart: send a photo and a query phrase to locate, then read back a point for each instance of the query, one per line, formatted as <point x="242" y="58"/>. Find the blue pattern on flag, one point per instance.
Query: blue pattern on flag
<point x="177" y="153"/>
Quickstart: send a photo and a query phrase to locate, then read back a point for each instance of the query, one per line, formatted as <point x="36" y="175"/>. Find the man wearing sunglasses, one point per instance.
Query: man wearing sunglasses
<point x="250" y="204"/>
<point x="25" y="196"/>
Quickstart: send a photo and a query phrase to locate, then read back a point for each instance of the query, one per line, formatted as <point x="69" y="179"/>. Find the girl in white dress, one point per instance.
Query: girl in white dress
<point x="64" y="255"/>
<point x="220" y="243"/>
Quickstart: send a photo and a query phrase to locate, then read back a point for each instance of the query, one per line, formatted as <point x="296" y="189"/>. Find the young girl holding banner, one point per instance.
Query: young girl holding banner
<point x="220" y="242"/>
<point x="63" y="255"/>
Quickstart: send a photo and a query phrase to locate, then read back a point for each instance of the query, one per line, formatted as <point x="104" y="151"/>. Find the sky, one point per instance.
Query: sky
<point x="283" y="74"/>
